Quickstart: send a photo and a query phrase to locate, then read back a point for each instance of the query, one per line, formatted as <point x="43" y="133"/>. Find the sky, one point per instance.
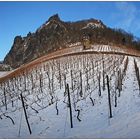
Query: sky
<point x="19" y="18"/>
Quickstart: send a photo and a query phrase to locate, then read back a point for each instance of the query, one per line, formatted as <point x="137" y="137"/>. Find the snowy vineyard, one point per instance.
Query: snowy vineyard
<point x="62" y="90"/>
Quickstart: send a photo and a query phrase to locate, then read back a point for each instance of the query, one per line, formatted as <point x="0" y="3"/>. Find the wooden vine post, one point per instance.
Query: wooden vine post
<point x="99" y="80"/>
<point x="103" y="77"/>
<point x="109" y="100"/>
<point x="81" y="92"/>
<point x="71" y="79"/>
<point x="25" y="113"/>
<point x="69" y="100"/>
<point x="5" y="100"/>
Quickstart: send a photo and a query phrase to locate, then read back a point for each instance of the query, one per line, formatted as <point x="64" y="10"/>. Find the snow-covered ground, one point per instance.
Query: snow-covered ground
<point x="3" y="73"/>
<point x="43" y="88"/>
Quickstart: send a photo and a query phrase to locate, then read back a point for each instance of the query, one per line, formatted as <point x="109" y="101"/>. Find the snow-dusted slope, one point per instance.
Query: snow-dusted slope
<point x="3" y="73"/>
<point x="93" y="25"/>
<point x="43" y="88"/>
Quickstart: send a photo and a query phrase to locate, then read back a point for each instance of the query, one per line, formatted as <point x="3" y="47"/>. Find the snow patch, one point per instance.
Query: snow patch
<point x="3" y="73"/>
<point x="93" y="25"/>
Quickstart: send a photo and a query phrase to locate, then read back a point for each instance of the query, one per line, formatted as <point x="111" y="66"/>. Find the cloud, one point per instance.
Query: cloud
<point x="127" y="16"/>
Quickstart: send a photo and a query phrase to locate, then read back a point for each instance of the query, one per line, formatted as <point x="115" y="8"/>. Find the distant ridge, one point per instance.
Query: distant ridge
<point x="56" y="34"/>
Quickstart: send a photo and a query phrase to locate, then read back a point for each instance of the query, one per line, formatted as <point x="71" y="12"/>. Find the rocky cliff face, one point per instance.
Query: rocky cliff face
<point x="51" y="36"/>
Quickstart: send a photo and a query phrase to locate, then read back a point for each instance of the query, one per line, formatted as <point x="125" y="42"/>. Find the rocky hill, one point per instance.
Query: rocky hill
<point x="4" y="67"/>
<point x="55" y="34"/>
